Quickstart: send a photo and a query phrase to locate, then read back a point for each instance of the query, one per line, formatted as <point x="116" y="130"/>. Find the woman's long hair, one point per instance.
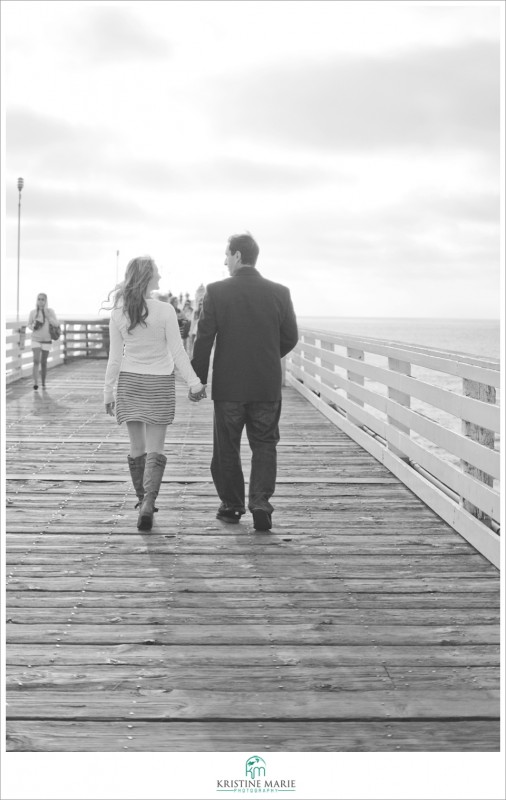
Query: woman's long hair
<point x="131" y="294"/>
<point x="37" y="309"/>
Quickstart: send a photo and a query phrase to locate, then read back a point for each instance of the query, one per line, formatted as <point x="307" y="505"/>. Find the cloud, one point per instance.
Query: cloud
<point x="112" y="34"/>
<point x="64" y="205"/>
<point x="28" y="130"/>
<point x="430" y="97"/>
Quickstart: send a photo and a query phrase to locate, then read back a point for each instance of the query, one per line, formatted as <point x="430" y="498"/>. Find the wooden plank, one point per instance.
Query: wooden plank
<point x="317" y="615"/>
<point x="174" y="478"/>
<point x="408" y="736"/>
<point x="221" y="678"/>
<point x="252" y="600"/>
<point x="185" y="704"/>
<point x="310" y="544"/>
<point x="264" y="678"/>
<point x="318" y="633"/>
<point x="346" y="585"/>
<point x="280" y="657"/>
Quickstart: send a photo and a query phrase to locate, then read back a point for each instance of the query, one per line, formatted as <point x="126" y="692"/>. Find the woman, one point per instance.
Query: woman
<point x="145" y="345"/>
<point x="39" y="320"/>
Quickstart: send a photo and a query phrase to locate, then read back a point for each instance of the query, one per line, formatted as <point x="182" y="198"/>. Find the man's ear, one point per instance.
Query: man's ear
<point x="238" y="255"/>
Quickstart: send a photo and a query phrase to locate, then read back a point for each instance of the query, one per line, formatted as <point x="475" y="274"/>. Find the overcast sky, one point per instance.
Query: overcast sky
<point x="358" y="142"/>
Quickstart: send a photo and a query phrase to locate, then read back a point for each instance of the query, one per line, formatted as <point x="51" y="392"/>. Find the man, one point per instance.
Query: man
<point x="252" y="323"/>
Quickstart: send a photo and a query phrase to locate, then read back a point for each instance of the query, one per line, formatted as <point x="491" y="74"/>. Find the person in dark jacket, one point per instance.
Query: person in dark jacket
<point x="252" y="323"/>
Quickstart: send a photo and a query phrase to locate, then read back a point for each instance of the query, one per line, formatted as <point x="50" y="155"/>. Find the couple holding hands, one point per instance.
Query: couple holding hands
<point x="251" y="323"/>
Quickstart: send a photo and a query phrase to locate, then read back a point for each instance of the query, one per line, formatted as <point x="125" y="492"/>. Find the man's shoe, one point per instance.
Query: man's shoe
<point x="229" y="514"/>
<point x="262" y="520"/>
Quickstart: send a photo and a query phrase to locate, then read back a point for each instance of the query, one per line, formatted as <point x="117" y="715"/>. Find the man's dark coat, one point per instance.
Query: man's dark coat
<point x="254" y="324"/>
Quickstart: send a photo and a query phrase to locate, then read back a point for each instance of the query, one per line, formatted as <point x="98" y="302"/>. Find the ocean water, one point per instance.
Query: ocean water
<point x="475" y="336"/>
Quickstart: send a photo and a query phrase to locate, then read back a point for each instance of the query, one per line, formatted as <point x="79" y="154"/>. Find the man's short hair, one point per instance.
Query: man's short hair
<point x="247" y="247"/>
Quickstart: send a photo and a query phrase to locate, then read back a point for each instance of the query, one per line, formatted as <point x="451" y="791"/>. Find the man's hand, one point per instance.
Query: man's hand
<point x="109" y="408"/>
<point x="196" y="396"/>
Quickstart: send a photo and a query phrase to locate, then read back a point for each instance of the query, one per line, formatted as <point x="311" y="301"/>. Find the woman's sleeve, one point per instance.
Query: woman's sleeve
<point x="176" y="347"/>
<point x="54" y="318"/>
<point x="114" y="362"/>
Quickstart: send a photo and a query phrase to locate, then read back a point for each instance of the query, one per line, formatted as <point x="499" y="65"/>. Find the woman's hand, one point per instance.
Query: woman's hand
<point x="197" y="395"/>
<point x="109" y="408"/>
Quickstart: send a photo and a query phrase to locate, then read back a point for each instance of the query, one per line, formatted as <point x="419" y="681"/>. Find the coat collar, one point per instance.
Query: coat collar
<point x="244" y="272"/>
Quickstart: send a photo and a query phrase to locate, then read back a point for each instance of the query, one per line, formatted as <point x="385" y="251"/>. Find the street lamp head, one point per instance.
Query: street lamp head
<point x="21" y="183"/>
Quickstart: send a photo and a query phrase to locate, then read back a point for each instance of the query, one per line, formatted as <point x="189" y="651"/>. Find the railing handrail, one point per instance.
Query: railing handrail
<point x="455" y="475"/>
<point x="438" y="359"/>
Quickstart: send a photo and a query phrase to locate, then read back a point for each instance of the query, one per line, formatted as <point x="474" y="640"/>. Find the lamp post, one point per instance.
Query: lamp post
<point x="21" y="183"/>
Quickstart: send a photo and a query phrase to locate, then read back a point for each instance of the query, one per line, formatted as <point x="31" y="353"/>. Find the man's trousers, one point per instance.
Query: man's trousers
<point x="261" y="419"/>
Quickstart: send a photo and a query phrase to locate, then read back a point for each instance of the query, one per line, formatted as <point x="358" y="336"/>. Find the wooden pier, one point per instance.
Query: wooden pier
<point x="362" y="622"/>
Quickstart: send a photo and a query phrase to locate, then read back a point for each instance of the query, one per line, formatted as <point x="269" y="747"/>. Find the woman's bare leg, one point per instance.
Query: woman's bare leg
<point x="43" y="366"/>
<point x="137" y="434"/>
<point x="155" y="438"/>
<point x="36" y="364"/>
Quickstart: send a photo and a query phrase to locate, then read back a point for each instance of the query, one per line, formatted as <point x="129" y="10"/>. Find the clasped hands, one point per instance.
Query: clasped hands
<point x="195" y="397"/>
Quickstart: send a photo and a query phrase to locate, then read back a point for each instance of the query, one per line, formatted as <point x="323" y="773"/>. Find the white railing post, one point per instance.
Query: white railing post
<point x="404" y="367"/>
<point x="486" y="437"/>
<point x="352" y="352"/>
<point x="308" y="356"/>
<point x="327" y="364"/>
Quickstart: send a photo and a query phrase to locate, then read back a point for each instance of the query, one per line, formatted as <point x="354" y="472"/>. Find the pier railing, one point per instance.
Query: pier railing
<point x="79" y="339"/>
<point x="431" y="416"/>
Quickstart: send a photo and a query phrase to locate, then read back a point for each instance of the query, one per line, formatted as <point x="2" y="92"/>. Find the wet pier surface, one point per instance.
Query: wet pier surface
<point x="362" y="622"/>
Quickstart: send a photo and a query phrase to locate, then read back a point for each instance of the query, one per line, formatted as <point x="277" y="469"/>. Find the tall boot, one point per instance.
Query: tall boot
<point x="136" y="466"/>
<point x="153" y="474"/>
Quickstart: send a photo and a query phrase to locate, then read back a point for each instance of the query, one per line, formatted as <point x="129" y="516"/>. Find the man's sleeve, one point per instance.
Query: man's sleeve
<point x="289" y="334"/>
<point x="206" y="332"/>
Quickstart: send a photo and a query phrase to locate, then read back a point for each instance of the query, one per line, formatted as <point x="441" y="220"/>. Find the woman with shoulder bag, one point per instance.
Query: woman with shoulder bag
<point x="145" y="344"/>
<point x="40" y="320"/>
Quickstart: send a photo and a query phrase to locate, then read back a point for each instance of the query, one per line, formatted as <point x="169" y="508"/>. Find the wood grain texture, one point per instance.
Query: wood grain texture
<point x="384" y="736"/>
<point x="361" y="622"/>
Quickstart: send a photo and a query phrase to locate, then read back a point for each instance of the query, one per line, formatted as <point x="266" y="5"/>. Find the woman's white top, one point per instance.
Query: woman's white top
<point x="41" y="335"/>
<point x="152" y="349"/>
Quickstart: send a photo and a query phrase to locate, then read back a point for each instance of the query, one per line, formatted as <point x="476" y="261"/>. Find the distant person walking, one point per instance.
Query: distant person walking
<point x="252" y="324"/>
<point x="39" y="320"/>
<point x="199" y="299"/>
<point x="145" y="346"/>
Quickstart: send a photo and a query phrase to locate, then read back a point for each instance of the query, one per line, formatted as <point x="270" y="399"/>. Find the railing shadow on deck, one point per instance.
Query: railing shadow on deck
<point x="430" y="415"/>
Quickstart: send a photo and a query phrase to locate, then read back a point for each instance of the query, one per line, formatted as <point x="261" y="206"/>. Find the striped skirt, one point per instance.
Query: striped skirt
<point x="146" y="398"/>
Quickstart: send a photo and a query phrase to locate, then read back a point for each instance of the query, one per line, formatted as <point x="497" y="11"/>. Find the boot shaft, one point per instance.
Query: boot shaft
<point x="153" y="474"/>
<point x="137" y="467"/>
